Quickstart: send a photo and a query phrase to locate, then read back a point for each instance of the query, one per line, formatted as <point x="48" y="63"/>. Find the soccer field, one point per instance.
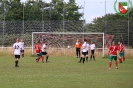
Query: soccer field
<point x="64" y="72"/>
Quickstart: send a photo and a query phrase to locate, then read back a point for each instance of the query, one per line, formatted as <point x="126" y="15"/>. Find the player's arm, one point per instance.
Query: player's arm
<point x="89" y="48"/>
<point x="95" y="47"/>
<point x="20" y="46"/>
<point x="83" y="47"/>
<point x="75" y="45"/>
<point x="118" y="51"/>
<point x="13" y="49"/>
<point x="40" y="48"/>
<point x="109" y="50"/>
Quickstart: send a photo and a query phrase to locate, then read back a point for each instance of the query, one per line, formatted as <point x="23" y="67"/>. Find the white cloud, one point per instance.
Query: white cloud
<point x="94" y="16"/>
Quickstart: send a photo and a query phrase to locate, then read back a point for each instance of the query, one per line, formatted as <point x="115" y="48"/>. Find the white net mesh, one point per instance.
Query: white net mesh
<point x="63" y="40"/>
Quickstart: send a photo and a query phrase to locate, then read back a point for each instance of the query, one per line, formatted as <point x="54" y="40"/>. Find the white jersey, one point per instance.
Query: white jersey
<point x="92" y="46"/>
<point x="17" y="48"/>
<point x="22" y="45"/>
<point x="84" y="47"/>
<point x="44" y="48"/>
<point x="87" y="47"/>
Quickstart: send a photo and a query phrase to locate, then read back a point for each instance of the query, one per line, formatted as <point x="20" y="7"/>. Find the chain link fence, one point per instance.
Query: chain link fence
<point x="10" y="30"/>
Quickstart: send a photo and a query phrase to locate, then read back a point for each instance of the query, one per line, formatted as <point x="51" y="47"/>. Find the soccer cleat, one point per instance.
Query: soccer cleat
<point x="36" y="60"/>
<point x="116" y="67"/>
<point x="47" y="61"/>
<point x="16" y="66"/>
<point x="79" y="61"/>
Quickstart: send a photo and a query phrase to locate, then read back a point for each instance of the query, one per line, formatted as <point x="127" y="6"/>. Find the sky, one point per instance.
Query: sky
<point x="94" y="8"/>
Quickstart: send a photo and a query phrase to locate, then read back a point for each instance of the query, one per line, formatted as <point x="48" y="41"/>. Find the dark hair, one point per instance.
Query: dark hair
<point x="38" y="41"/>
<point x="85" y="40"/>
<point x="120" y="41"/>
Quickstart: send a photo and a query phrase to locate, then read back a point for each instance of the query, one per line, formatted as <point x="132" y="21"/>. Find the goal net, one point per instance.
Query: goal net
<point x="61" y="40"/>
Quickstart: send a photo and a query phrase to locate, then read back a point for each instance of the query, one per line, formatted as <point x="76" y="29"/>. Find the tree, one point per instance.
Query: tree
<point x="37" y="10"/>
<point x="113" y="24"/>
<point x="14" y="10"/>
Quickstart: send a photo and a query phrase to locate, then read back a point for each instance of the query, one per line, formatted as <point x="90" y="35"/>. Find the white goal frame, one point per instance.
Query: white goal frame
<point x="103" y="40"/>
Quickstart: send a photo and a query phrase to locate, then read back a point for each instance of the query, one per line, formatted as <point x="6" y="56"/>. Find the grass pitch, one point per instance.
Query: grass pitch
<point x="64" y="72"/>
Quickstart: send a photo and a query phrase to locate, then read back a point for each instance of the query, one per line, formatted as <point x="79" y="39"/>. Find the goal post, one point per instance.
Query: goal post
<point x="63" y="39"/>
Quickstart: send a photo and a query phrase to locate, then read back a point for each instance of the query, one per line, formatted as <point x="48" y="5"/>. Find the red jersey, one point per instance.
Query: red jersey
<point x="113" y="50"/>
<point x="38" y="48"/>
<point x="121" y="48"/>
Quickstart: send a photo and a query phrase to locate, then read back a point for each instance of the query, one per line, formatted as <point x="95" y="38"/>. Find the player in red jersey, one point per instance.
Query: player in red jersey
<point x="121" y="49"/>
<point x="113" y="55"/>
<point x="38" y="52"/>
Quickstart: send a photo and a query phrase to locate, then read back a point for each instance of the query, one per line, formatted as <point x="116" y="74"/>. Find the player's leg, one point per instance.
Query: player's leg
<point x="84" y="56"/>
<point x="116" y="62"/>
<point x="42" y="58"/>
<point x="110" y="61"/>
<point x="87" y="56"/>
<point x="77" y="52"/>
<point x="41" y="55"/>
<point x="123" y="56"/>
<point x="93" y="54"/>
<point x="23" y="54"/>
<point x="17" y="60"/>
<point x="81" y="58"/>
<point x="38" y="58"/>
<point x="120" y="57"/>
<point x="47" y="56"/>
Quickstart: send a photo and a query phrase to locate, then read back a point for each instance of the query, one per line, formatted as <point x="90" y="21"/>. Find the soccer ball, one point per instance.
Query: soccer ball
<point x="68" y="47"/>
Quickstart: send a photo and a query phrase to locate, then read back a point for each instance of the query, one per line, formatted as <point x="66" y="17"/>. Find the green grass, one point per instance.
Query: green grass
<point x="64" y="72"/>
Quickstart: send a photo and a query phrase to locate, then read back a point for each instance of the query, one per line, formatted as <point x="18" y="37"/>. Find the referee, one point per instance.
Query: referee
<point x="78" y="45"/>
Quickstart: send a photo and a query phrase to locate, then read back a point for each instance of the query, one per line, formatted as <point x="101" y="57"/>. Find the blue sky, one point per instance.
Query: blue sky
<point x="94" y="8"/>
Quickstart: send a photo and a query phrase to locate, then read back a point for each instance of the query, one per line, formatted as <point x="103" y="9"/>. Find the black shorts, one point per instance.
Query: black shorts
<point x="87" y="53"/>
<point x="84" y="53"/>
<point x="22" y="51"/>
<point x="44" y="53"/>
<point x="92" y="51"/>
<point x="17" y="56"/>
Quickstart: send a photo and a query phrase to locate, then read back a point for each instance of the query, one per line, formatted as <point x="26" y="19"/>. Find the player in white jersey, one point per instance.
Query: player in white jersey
<point x="87" y="48"/>
<point x="84" y="50"/>
<point x="16" y="52"/>
<point x="44" y="52"/>
<point x="92" y="48"/>
<point x="22" y="46"/>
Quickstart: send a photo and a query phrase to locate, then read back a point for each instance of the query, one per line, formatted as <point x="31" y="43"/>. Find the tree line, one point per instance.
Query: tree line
<point x="38" y="10"/>
<point x="58" y="10"/>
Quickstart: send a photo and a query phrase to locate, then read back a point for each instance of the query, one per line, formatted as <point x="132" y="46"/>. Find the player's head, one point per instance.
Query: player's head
<point x="77" y="40"/>
<point x="17" y="40"/>
<point x="113" y="42"/>
<point x="38" y="41"/>
<point x="45" y="42"/>
<point x="119" y="42"/>
<point x="85" y="40"/>
<point x="21" y="40"/>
